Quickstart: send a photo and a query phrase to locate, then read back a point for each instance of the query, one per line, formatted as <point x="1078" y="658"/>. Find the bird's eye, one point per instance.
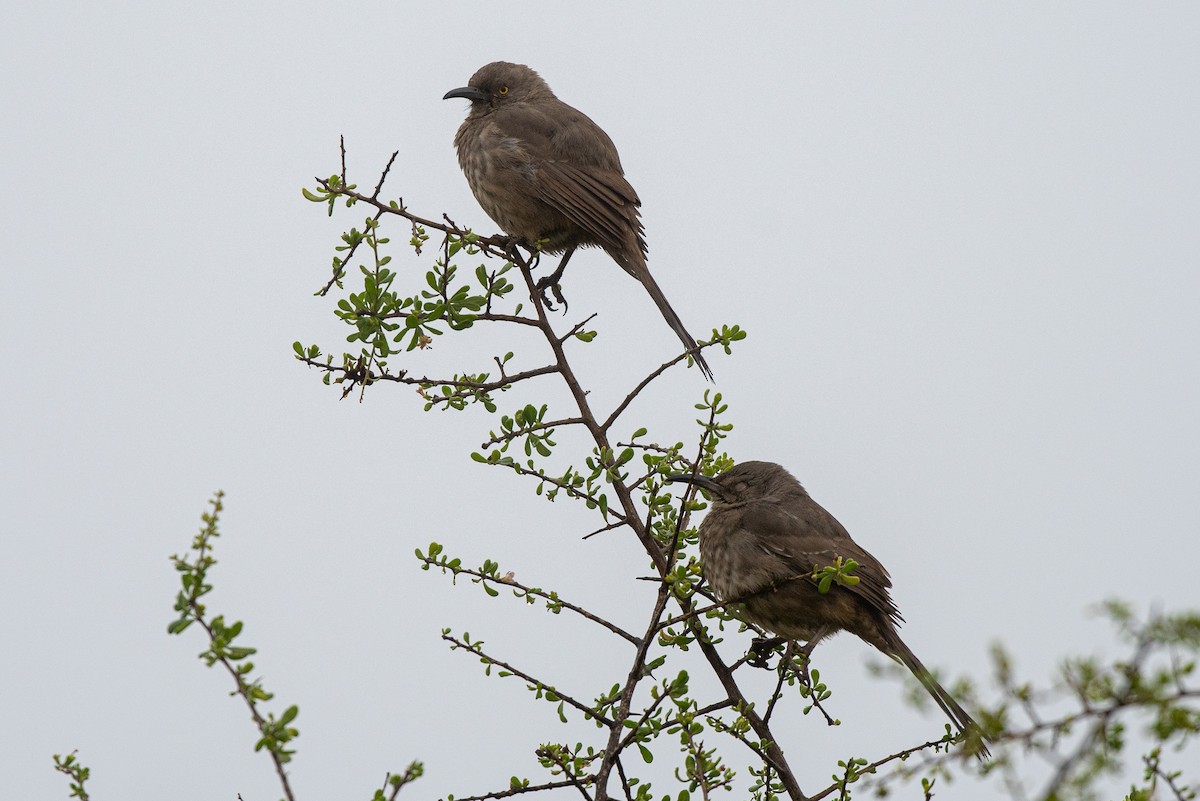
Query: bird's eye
<point x="504" y="89"/>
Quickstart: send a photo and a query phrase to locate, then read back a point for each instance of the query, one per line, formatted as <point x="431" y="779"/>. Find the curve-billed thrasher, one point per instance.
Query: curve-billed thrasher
<point x="544" y="171"/>
<point x="759" y="544"/>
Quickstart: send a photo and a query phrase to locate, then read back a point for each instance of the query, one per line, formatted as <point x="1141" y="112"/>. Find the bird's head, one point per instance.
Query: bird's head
<point x="501" y="83"/>
<point x="748" y="481"/>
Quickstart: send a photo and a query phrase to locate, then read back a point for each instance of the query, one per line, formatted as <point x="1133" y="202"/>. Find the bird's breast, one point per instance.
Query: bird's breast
<point x="501" y="175"/>
<point x="733" y="566"/>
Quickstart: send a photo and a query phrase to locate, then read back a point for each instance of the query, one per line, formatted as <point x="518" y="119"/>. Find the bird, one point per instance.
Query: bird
<point x="762" y="541"/>
<point x="544" y="172"/>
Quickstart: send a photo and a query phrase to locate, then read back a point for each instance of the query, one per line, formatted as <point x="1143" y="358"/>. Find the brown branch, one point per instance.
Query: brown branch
<point x="1180" y="793"/>
<point x="725" y="728"/>
<point x="636" y="673"/>
<point x="492" y="245"/>
<point x="511" y="791"/>
<point x="409" y="775"/>
<point x="645" y="382"/>
<point x="774" y="754"/>
<point x="343" y="262"/>
<point x="538" y="593"/>
<point x="425" y="381"/>
<point x="642" y="718"/>
<point x="784" y="664"/>
<point x="621" y="774"/>
<point x="496" y="317"/>
<point x="907" y="752"/>
<point x="598" y="433"/>
<point x="243" y="689"/>
<point x="567" y="488"/>
<point x="718" y="605"/>
<point x="602" y="529"/>
<point x="477" y="651"/>
<point x="498" y="439"/>
<point x="382" y="177"/>
<point x="786" y="667"/>
<point x="576" y="328"/>
<point x="342" y="147"/>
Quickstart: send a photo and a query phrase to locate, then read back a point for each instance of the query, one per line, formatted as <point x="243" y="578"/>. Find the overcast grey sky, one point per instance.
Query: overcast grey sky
<point x="963" y="238"/>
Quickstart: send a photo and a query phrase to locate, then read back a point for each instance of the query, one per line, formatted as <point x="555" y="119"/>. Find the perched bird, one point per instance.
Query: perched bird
<point x="759" y="545"/>
<point x="544" y="171"/>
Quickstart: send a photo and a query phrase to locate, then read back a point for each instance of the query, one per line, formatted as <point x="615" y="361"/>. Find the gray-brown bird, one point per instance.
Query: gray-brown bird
<point x="544" y="171"/>
<point x="760" y="543"/>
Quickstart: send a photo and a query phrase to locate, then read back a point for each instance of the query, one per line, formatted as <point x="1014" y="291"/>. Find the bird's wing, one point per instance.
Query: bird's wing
<point x="803" y="536"/>
<point x="573" y="167"/>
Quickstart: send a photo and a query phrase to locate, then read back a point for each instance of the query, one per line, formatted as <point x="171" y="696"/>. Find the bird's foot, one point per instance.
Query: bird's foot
<point x="550" y="283"/>
<point x="511" y="250"/>
<point x="761" y="649"/>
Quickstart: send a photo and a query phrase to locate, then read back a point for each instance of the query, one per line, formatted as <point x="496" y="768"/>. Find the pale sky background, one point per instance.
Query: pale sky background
<point x="963" y="238"/>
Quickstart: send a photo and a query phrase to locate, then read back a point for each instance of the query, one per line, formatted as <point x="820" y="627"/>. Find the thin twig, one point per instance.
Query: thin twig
<point x="603" y="529"/>
<point x="907" y="752"/>
<point x="1096" y="732"/>
<point x="636" y="673"/>
<point x="477" y="651"/>
<point x="539" y="593"/>
<point x="577" y="327"/>
<point x="535" y="788"/>
<point x="243" y="689"/>
<point x="500" y="438"/>
<point x="425" y="381"/>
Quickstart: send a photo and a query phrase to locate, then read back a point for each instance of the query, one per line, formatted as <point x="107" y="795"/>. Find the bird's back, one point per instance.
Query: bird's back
<point x="545" y="170"/>
<point x="767" y="548"/>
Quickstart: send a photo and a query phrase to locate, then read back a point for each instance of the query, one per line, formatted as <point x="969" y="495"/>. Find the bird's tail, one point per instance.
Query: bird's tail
<point x="640" y="272"/>
<point x="958" y="716"/>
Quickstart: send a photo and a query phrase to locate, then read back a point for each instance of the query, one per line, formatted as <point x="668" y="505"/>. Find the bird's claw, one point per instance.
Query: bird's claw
<point x="761" y="649"/>
<point x="555" y="289"/>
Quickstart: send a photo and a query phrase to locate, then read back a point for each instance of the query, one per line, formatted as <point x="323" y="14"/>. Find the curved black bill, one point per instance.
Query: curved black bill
<point x="699" y="481"/>
<point x="469" y="92"/>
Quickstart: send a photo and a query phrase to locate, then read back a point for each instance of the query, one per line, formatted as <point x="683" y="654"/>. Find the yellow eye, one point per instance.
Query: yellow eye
<point x="504" y="89"/>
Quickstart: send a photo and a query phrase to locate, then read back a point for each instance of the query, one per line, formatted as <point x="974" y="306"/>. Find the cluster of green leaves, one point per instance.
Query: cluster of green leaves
<point x="76" y="772"/>
<point x="841" y="573"/>
<point x="372" y="311"/>
<point x="386" y="320"/>
<point x="726" y="335"/>
<point x="527" y="426"/>
<point x="334" y="189"/>
<point x="570" y="762"/>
